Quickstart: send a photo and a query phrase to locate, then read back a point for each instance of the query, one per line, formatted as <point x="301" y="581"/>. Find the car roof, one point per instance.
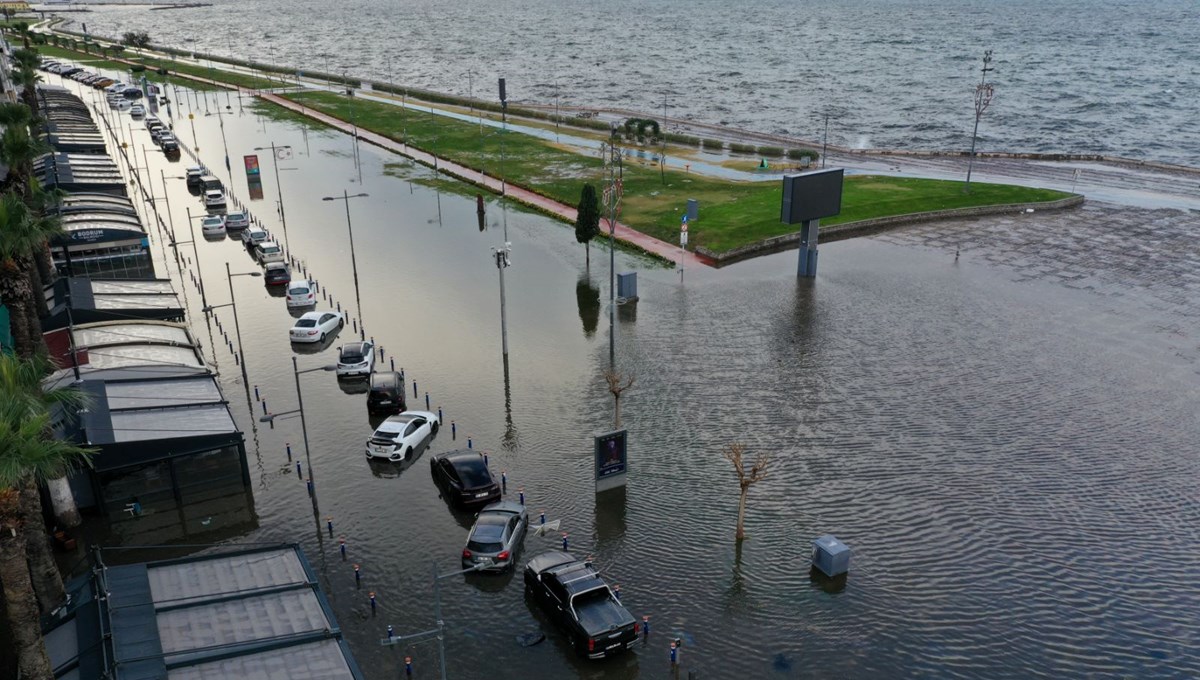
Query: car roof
<point x="403" y="418"/>
<point x="360" y="346"/>
<point x="503" y="508"/>
<point x="314" y="315"/>
<point x="385" y="379"/>
<point x="458" y="456"/>
<point x="277" y="265"/>
<point x="265" y="244"/>
<point x="213" y="191"/>
<point x="300" y="282"/>
<point x="239" y="213"/>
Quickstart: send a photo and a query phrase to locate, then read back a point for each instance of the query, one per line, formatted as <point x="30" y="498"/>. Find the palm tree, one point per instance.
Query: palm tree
<point x="25" y="73"/>
<point x="29" y="453"/>
<point x="24" y="235"/>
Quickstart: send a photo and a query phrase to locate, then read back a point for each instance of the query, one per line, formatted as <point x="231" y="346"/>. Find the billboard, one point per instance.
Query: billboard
<point x="611" y="459"/>
<point x="251" y="162"/>
<point x="811" y="196"/>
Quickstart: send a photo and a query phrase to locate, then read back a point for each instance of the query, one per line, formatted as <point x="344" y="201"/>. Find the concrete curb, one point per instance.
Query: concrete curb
<point x="872" y="226"/>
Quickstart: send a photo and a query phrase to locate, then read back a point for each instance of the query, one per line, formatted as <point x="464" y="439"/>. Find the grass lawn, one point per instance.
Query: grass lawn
<point x="153" y="63"/>
<point x="98" y="62"/>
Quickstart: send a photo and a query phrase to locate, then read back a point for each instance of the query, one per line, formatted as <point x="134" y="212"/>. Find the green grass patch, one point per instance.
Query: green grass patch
<point x="152" y="64"/>
<point x="278" y="114"/>
<point x="732" y="214"/>
<point x="96" y="61"/>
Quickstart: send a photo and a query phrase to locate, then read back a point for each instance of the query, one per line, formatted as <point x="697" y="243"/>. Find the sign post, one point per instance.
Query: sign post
<point x="611" y="459"/>
<point x="682" y="245"/>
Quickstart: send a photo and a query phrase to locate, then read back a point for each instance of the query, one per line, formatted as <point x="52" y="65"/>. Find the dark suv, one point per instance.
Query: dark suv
<point x="464" y="478"/>
<point x="387" y="393"/>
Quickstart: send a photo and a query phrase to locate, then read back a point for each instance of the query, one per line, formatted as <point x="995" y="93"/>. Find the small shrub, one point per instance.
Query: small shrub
<point x="737" y="147"/>
<point x="770" y="151"/>
<point x="801" y="154"/>
<point x="713" y="144"/>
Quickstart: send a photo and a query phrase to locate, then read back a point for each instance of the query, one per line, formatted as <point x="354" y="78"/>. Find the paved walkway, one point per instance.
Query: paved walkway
<point x="495" y="185"/>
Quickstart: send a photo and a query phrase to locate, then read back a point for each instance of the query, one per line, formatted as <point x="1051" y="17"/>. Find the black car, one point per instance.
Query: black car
<point x="277" y="274"/>
<point x="575" y="595"/>
<point x="170" y="146"/>
<point x="464" y="478"/>
<point x="387" y="393"/>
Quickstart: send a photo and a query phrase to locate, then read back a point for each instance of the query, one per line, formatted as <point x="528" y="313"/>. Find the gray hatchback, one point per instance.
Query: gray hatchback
<point x="497" y="537"/>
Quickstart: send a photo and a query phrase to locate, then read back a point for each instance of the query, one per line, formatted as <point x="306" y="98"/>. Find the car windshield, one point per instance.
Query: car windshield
<point x="473" y="473"/>
<point x="306" y="323"/>
<point x="298" y="290"/>
<point x="351" y="355"/>
<point x="486" y="537"/>
<point x="271" y="249"/>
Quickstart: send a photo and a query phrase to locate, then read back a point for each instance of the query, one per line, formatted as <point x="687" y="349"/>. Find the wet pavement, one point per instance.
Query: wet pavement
<point x="996" y="414"/>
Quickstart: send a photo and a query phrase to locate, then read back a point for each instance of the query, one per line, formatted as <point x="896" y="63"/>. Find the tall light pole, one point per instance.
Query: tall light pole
<point x="270" y="418"/>
<point x="437" y="633"/>
<point x="501" y="255"/>
<point x="612" y="196"/>
<point x="346" y="196"/>
<point x="236" y="327"/>
<point x="278" y="187"/>
<point x="825" y="143"/>
<point x="503" y="130"/>
<point x="225" y="143"/>
<point x="983" y="97"/>
<point x="199" y="273"/>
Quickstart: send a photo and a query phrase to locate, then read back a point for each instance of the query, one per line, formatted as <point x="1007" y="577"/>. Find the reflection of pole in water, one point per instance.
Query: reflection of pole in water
<point x="511" y="437"/>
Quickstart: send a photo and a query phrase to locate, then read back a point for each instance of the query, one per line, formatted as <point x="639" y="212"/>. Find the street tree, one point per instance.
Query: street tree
<point x="587" y="219"/>
<point x="747" y="477"/>
<point x="617" y="384"/>
<point x="135" y="39"/>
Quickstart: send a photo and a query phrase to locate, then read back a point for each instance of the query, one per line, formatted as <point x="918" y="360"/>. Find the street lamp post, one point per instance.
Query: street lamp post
<point x="270" y="418"/>
<point x="225" y="143"/>
<point x="278" y="187"/>
<point x="346" y="196"/>
<point x="437" y="633"/>
<point x="199" y="273"/>
<point x="236" y="326"/>
<point x="503" y="262"/>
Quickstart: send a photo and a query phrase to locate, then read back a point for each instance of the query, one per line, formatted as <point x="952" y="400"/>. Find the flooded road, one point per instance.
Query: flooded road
<point x="1006" y="438"/>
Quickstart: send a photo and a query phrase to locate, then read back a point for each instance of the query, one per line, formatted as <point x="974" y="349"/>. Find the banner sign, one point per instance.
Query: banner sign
<point x="611" y="459"/>
<point x="252" y="169"/>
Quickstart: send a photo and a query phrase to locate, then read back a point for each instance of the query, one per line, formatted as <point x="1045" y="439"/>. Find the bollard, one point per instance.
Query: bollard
<point x="372" y="596"/>
<point x="440" y="419"/>
<point x="426" y="400"/>
<point x="414" y="388"/>
<point x="408" y="671"/>
<point x="645" y="626"/>
<point x="566" y="544"/>
<point x="674" y="654"/>
<point x="236" y="361"/>
<point x="329" y="525"/>
<point x="453" y="430"/>
<point x="401" y="374"/>
<point x="289" y="451"/>
<point x="469" y="446"/>
<point x="299" y="473"/>
<point x="393" y="363"/>
<point x="542" y="519"/>
<point x="521" y="492"/>
<point x="391" y="633"/>
<point x="342" y="546"/>
<point x="357" y="576"/>
<point x="617" y="591"/>
<point x="503" y="482"/>
<point x="339" y="308"/>
<point x="485" y="459"/>
<point x="354" y="324"/>
<point x="309" y="484"/>
<point x="264" y="403"/>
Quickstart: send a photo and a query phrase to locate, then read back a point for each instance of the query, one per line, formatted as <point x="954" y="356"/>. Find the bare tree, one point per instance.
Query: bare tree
<point x="746" y="478"/>
<point x="616" y="387"/>
<point x="983" y="98"/>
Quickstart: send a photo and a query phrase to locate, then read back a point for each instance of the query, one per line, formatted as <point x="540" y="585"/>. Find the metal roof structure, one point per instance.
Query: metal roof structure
<point x="79" y="172"/>
<point x="256" y="614"/>
<point x="110" y="300"/>
<point x="101" y="203"/>
<point x="115" y="350"/>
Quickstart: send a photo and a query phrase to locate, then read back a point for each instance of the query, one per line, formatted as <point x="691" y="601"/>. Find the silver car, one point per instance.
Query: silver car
<point x="497" y="537"/>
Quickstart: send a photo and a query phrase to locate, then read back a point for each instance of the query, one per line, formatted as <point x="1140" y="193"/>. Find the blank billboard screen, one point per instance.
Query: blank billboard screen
<point x="811" y="196"/>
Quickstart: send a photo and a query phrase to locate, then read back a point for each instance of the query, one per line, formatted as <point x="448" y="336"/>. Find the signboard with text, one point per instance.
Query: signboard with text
<point x="611" y="459"/>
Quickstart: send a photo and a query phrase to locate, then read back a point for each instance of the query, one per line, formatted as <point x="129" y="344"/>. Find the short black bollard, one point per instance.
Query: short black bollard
<point x="289" y="451"/>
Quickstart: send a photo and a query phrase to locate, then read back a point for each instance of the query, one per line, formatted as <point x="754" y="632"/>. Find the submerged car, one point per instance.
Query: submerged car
<point x="355" y="358"/>
<point x="316" y="326"/>
<point x="464" y="478"/>
<point x="276" y="274"/>
<point x="575" y="595"/>
<point x="254" y="236"/>
<point x="268" y="251"/>
<point x="301" y="294"/>
<point x="214" y="199"/>
<point x="399" y="436"/>
<point x="496" y="538"/>
<point x="386" y="394"/>
<point x="237" y="220"/>
<point x="213" y="225"/>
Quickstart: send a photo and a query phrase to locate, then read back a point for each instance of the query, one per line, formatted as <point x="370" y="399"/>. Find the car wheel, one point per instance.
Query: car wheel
<point x="408" y="453"/>
<point x="341" y="323"/>
<point x="322" y="338"/>
<point x="435" y="428"/>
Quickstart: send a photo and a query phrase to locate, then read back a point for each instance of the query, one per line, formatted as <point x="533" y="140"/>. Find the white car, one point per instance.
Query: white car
<point x="268" y="251"/>
<point x="237" y="220"/>
<point x="356" y="359"/>
<point x="397" y="437"/>
<point x="137" y="111"/>
<point x="315" y="326"/>
<point x="254" y="236"/>
<point x="301" y="294"/>
<point x="213" y="225"/>
<point x="213" y="198"/>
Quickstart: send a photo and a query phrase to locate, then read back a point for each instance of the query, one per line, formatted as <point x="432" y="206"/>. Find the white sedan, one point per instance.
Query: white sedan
<point x="315" y="326"/>
<point x="397" y="437"/>
<point x="301" y="294"/>
<point x="356" y="358"/>
<point x="237" y="220"/>
<point x="213" y="225"/>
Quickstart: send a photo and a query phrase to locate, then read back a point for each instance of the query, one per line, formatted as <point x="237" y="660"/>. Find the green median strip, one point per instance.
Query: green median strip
<point x="732" y="213"/>
<point x="152" y="65"/>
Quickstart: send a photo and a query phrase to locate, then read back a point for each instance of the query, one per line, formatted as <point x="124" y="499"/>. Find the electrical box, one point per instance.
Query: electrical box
<point x="831" y="556"/>
<point x="627" y="286"/>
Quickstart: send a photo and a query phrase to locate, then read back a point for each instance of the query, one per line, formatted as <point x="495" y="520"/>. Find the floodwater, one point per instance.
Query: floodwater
<point x="1006" y="438"/>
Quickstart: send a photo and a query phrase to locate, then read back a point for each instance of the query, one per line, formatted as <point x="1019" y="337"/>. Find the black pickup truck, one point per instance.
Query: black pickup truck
<point x="577" y="598"/>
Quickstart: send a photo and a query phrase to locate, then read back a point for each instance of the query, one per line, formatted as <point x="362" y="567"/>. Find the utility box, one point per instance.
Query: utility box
<point x="831" y="556"/>
<point x="627" y="286"/>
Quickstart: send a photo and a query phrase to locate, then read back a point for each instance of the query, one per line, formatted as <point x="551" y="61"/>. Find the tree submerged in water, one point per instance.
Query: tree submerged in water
<point x="734" y="453"/>
<point x="587" y="220"/>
